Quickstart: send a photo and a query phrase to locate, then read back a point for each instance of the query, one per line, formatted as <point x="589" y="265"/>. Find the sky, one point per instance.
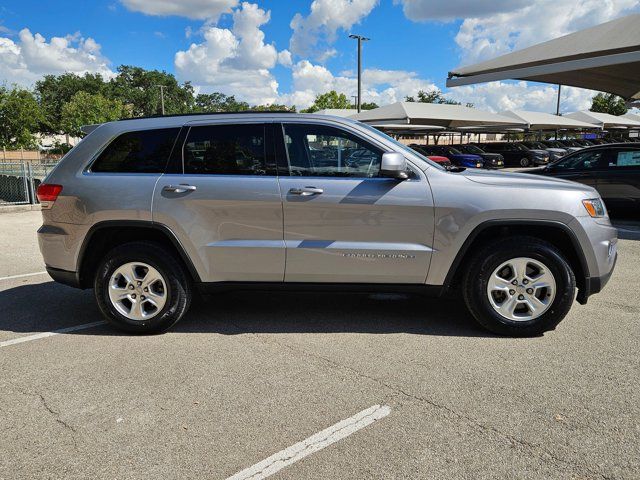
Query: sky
<point x="288" y="51"/>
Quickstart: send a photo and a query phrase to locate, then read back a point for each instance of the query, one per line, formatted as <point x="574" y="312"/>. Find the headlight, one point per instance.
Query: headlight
<point x="595" y="207"/>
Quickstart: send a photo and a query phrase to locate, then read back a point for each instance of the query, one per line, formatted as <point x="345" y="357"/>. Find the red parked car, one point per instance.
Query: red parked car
<point x="444" y="161"/>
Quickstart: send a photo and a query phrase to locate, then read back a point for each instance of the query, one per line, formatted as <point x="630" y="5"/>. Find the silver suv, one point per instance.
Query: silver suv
<point x="146" y="211"/>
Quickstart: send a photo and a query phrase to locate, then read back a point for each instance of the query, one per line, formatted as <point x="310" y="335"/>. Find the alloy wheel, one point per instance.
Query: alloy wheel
<point x="521" y="289"/>
<point x="138" y="291"/>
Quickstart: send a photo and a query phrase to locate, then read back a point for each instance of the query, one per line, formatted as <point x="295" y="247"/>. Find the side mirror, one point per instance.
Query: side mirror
<point x="394" y="165"/>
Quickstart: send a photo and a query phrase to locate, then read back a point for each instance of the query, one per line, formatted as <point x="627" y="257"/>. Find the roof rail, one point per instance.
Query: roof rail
<point x="205" y="113"/>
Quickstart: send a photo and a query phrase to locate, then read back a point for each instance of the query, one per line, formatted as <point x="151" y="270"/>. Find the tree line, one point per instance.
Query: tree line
<point x="61" y="104"/>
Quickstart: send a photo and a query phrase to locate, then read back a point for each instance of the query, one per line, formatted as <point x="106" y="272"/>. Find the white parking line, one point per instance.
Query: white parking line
<point x="11" y="277"/>
<point x="314" y="443"/>
<point x="38" y="336"/>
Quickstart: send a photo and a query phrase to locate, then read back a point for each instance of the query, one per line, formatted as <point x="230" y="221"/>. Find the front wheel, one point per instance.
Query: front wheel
<point x="519" y="286"/>
<point x="524" y="162"/>
<point x="141" y="288"/>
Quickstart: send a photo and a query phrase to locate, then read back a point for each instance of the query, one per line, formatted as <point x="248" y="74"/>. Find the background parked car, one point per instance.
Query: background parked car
<point x="455" y="156"/>
<point x="444" y="161"/>
<point x="491" y="160"/>
<point x="559" y="144"/>
<point x="554" y="153"/>
<point x="613" y="170"/>
<point x="516" y="154"/>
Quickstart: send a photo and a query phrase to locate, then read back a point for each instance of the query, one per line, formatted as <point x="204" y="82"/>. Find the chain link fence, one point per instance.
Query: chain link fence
<point x="19" y="181"/>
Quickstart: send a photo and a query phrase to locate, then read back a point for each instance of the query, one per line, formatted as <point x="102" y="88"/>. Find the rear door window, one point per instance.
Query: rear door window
<point x="142" y="151"/>
<point x="238" y="149"/>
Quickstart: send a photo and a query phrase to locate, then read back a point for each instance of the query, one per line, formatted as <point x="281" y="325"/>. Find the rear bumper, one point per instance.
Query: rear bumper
<point x="72" y="279"/>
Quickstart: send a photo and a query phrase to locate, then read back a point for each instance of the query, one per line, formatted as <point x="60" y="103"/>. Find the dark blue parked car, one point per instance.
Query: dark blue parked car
<point x="456" y="156"/>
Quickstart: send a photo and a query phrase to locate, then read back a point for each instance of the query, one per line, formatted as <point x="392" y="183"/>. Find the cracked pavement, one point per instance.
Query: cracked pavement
<point x="248" y="374"/>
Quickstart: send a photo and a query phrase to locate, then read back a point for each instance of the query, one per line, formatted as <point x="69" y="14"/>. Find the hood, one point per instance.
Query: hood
<point x="496" y="156"/>
<point x="535" y="151"/>
<point x="556" y="150"/>
<point x="512" y="179"/>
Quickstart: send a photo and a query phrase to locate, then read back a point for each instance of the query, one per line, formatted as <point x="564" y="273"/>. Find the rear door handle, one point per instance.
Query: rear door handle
<point x="182" y="188"/>
<point x="306" y="191"/>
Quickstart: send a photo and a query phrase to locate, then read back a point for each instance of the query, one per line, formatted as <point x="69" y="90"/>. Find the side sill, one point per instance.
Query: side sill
<point x="71" y="279"/>
<point x="416" y="289"/>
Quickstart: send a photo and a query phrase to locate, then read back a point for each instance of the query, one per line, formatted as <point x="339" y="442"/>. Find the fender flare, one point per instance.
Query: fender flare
<point x="515" y="222"/>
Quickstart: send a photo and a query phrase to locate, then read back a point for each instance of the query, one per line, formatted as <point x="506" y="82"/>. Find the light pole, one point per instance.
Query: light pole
<point x="162" y="87"/>
<point x="360" y="39"/>
<point x="558" y="105"/>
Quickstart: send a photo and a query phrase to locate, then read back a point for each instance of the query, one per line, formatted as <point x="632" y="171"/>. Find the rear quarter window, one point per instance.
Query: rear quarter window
<point x="142" y="151"/>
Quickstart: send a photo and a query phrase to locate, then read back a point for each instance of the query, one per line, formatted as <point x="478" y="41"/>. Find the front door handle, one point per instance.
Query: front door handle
<point x="306" y="191"/>
<point x="182" y="188"/>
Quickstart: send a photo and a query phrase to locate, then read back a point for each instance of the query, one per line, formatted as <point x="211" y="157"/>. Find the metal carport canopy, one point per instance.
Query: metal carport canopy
<point x="546" y="121"/>
<point x="605" y="58"/>
<point x="433" y="114"/>
<point x="603" y="120"/>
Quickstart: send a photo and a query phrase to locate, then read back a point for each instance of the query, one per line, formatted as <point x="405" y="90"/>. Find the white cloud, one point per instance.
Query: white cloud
<point x="196" y="9"/>
<point x="234" y="61"/>
<point x="483" y="38"/>
<point x="499" y="96"/>
<point x="423" y="10"/>
<point x="325" y="19"/>
<point x="284" y="58"/>
<point x="379" y="86"/>
<point x="31" y="56"/>
<point x="492" y="28"/>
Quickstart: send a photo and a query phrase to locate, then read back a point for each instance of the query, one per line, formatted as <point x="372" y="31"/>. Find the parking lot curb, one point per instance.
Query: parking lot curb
<point x="18" y="208"/>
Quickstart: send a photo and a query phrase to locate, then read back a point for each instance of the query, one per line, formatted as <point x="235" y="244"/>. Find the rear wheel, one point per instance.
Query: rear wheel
<point x="524" y="162"/>
<point x="140" y="287"/>
<point x="519" y="286"/>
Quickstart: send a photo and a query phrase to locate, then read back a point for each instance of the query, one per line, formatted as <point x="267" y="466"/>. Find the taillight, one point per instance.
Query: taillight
<point x="48" y="193"/>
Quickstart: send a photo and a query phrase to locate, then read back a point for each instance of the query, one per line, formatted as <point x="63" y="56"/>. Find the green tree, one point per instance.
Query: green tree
<point x="330" y="99"/>
<point x="86" y="109"/>
<point x="218" y="102"/>
<point x="608" y="103"/>
<point x="53" y="91"/>
<point x="368" y="105"/>
<point x="139" y="90"/>
<point x="432" y="96"/>
<point x="20" y="117"/>
<point x="274" y="107"/>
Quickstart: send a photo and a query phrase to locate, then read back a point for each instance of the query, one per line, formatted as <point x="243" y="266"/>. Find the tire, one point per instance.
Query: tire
<point x="524" y="162"/>
<point x="493" y="264"/>
<point x="164" y="301"/>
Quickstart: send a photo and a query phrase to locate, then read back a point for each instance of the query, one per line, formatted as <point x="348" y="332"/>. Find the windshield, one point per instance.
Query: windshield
<point x="520" y="147"/>
<point x="581" y="160"/>
<point x="402" y="146"/>
<point x="452" y="151"/>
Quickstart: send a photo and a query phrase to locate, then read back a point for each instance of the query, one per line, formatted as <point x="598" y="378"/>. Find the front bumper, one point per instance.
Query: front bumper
<point x="593" y="285"/>
<point x="540" y="160"/>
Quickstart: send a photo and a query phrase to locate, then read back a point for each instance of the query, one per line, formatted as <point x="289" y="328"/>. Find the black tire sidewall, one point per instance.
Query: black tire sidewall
<point x="158" y="258"/>
<point x="478" y="300"/>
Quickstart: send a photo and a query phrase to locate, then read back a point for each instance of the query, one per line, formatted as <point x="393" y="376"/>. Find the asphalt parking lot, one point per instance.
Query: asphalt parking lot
<point x="236" y="386"/>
